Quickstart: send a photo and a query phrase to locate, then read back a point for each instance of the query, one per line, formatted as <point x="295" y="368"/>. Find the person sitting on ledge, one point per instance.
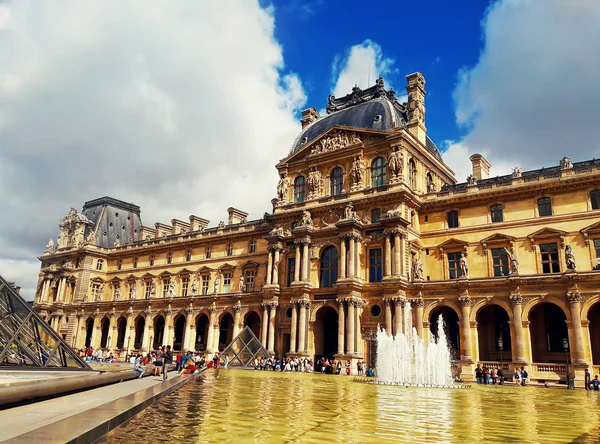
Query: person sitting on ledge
<point x="138" y="366"/>
<point x="370" y="372"/>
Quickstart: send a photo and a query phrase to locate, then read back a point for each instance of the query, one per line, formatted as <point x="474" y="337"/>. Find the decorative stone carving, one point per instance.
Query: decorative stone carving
<point x="221" y="225"/>
<point x="464" y="266"/>
<point x="416" y="105"/>
<point x="306" y="220"/>
<point x="570" y="258"/>
<point x="517" y="172"/>
<point x="395" y="164"/>
<point x="418" y="269"/>
<point x="216" y="284"/>
<point x="282" y="188"/>
<point x="335" y="141"/>
<point x="133" y="290"/>
<point x="117" y="243"/>
<point x="431" y="186"/>
<point x="148" y="311"/>
<point x="516" y="298"/>
<point x="417" y="302"/>
<point x="471" y="180"/>
<point x="171" y="292"/>
<point x="213" y="308"/>
<point x="241" y="283"/>
<point x="574" y="296"/>
<point x="349" y="212"/>
<point x="513" y="260"/>
<point x="117" y="292"/>
<point x="356" y="173"/>
<point x="465" y="301"/>
<point x="195" y="286"/>
<point x="566" y="163"/>
<point x="190" y="310"/>
<point x="237" y="307"/>
<point x="72" y="228"/>
<point x="313" y="183"/>
<point x="50" y="247"/>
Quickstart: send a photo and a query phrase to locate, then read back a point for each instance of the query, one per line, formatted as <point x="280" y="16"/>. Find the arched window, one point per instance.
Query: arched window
<point x="430" y="184"/>
<point x="299" y="189"/>
<point x="378" y="172"/>
<point x="329" y="267"/>
<point x="337" y="181"/>
<point x="375" y="215"/>
<point x="412" y="174"/>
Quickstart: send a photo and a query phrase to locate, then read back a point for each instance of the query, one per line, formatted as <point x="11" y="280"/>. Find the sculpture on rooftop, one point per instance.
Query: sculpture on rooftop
<point x="50" y="248"/>
<point x="517" y="172"/>
<point x="566" y="163"/>
<point x="471" y="180"/>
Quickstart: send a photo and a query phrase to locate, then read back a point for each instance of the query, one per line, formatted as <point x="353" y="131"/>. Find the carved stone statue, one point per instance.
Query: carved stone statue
<point x="171" y="293"/>
<point x="50" y="247"/>
<point x="72" y="228"/>
<point x="570" y="258"/>
<point x="117" y="243"/>
<point x="306" y="220"/>
<point x="431" y="188"/>
<point x="513" y="260"/>
<point x="221" y="225"/>
<point x="357" y="172"/>
<point x="566" y="163"/>
<point x="349" y="212"/>
<point x="517" y="172"/>
<point x="133" y="290"/>
<point x="313" y="183"/>
<point x="464" y="266"/>
<point x="418" y="269"/>
<point x="99" y="294"/>
<point x="282" y="188"/>
<point x="216" y="285"/>
<point x="117" y="292"/>
<point x="471" y="180"/>
<point x="195" y="286"/>
<point x="395" y="162"/>
<point x="241" y="283"/>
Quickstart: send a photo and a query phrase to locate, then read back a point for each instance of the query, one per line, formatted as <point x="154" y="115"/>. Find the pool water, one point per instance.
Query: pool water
<point x="245" y="406"/>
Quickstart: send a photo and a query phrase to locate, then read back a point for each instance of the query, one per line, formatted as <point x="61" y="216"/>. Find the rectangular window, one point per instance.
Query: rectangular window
<point x="229" y="249"/>
<point x="99" y="264"/>
<point x="252" y="246"/>
<point x="249" y="279"/>
<point x="169" y="258"/>
<point x="496" y="212"/>
<point x="375" y="215"/>
<point x="290" y="270"/>
<point x="119" y="264"/>
<point x="135" y="262"/>
<point x="597" y="247"/>
<point x="226" y="282"/>
<point x="166" y="284"/>
<point x="188" y="256"/>
<point x="500" y="262"/>
<point x="185" y="282"/>
<point x="205" y="282"/>
<point x="375" y="265"/>
<point x="96" y="291"/>
<point x="545" y="206"/>
<point x="454" y="271"/>
<point x="208" y="252"/>
<point x="549" y="253"/>
<point x="116" y="292"/>
<point x="595" y="198"/>
<point x="452" y="219"/>
<point x="148" y="291"/>
<point x="151" y="260"/>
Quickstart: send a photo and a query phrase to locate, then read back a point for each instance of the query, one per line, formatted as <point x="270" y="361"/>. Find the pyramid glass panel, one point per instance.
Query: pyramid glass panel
<point x="244" y="348"/>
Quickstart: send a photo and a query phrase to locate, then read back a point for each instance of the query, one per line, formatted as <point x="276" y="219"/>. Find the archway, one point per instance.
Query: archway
<point x="451" y="327"/>
<point x="201" y="332"/>
<point x="594" y="326"/>
<point x="492" y="324"/>
<point x="159" y="332"/>
<point x="140" y="324"/>
<point x="548" y="329"/>
<point x="225" y="331"/>
<point x="179" y="332"/>
<point x="326" y="333"/>
<point x="105" y="326"/>
<point x="121" y="326"/>
<point x="252" y="320"/>
<point x="89" y="331"/>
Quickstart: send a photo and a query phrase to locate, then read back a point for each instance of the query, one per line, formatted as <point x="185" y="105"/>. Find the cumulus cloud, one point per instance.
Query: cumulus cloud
<point x="361" y="65"/>
<point x="180" y="107"/>
<point x="533" y="96"/>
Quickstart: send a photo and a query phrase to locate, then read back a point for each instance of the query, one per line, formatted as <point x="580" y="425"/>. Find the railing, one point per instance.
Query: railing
<point x="495" y="364"/>
<point x="558" y="369"/>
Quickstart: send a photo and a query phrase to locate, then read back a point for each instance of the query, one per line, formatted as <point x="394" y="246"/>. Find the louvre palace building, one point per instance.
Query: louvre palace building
<point x="369" y="228"/>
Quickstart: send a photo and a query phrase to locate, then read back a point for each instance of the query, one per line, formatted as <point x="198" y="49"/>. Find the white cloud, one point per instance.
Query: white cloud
<point x="533" y="96"/>
<point x="362" y="63"/>
<point x="180" y="107"/>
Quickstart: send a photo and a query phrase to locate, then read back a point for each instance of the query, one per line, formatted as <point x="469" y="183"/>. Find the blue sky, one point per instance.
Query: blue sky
<point x="438" y="39"/>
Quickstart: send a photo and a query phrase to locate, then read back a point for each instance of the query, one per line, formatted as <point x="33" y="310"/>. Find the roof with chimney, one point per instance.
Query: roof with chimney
<point x="374" y="108"/>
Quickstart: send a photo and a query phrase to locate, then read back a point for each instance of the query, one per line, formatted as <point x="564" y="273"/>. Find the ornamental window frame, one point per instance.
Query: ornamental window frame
<point x="166" y="283"/>
<point x="591" y="237"/>
<point x="328" y="267"/>
<point x="188" y="255"/>
<point x="378" y="172"/>
<point x="452" y="246"/>
<point x="377" y="267"/>
<point x="412" y="174"/>
<point x="99" y="264"/>
<point x="299" y="189"/>
<point x="252" y="246"/>
<point x="494" y="242"/>
<point x="336" y="181"/>
<point x="546" y="236"/>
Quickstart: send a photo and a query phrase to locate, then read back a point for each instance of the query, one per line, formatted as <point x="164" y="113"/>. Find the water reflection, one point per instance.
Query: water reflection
<point x="247" y="406"/>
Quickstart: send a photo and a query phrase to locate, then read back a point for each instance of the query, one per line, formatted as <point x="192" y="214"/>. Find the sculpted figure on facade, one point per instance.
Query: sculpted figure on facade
<point x="464" y="266"/>
<point x="282" y="188"/>
<point x="133" y="290"/>
<point x="117" y="243"/>
<point x="471" y="180"/>
<point x="241" y="285"/>
<point x="566" y="163"/>
<point x="313" y="183"/>
<point x="513" y="260"/>
<point x="349" y="212"/>
<point x="50" y="248"/>
<point x="72" y="228"/>
<point x="431" y="187"/>
<point x="117" y="293"/>
<point x="395" y="163"/>
<point x="418" y="269"/>
<point x="357" y="173"/>
<point x="221" y="225"/>
<point x="570" y="258"/>
<point x="216" y="284"/>
<point x="195" y="286"/>
<point x="171" y="292"/>
<point x="306" y="220"/>
<point x="517" y="172"/>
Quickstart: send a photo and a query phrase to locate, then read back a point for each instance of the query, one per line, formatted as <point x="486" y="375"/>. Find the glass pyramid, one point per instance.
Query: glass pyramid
<point x="26" y="340"/>
<point x="244" y="349"/>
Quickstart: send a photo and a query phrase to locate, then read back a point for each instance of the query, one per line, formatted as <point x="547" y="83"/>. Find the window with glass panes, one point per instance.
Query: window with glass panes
<point x="375" y="265"/>
<point x="252" y="246"/>
<point x="337" y="181"/>
<point x="185" y="282"/>
<point x="549" y="255"/>
<point x="226" y="282"/>
<point x="375" y="215"/>
<point x="595" y="198"/>
<point x="290" y="270"/>
<point x="119" y="264"/>
<point x="299" y="189"/>
<point x="597" y="247"/>
<point x="454" y="270"/>
<point x="166" y="284"/>
<point x="169" y="257"/>
<point x="148" y="290"/>
<point x="329" y="267"/>
<point x="378" y="172"/>
<point x="95" y="291"/>
<point x="99" y="264"/>
<point x="229" y="250"/>
<point x="452" y="219"/>
<point x="249" y="280"/>
<point x="188" y="255"/>
<point x="205" y="282"/>
<point x="151" y="260"/>
<point x="208" y="252"/>
<point x="135" y="262"/>
<point x="545" y="206"/>
<point x="500" y="262"/>
<point x="496" y="212"/>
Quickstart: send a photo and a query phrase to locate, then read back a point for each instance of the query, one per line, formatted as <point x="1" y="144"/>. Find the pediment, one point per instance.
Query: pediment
<point x="547" y="232"/>
<point x="453" y="243"/>
<point x="249" y="264"/>
<point x="131" y="277"/>
<point x="594" y="228"/>
<point x="185" y="271"/>
<point x="205" y="269"/>
<point x="148" y="276"/>
<point x="226" y="266"/>
<point x="165" y="273"/>
<point x="497" y="238"/>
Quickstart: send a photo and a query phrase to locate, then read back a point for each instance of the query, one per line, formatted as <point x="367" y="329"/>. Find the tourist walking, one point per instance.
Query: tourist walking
<point x="588" y="378"/>
<point x="517" y="376"/>
<point x="138" y="366"/>
<point x="500" y="374"/>
<point x="524" y="376"/>
<point x="167" y="359"/>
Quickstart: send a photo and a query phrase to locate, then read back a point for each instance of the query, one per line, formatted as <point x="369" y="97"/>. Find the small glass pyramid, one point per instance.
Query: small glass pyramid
<point x="26" y="340"/>
<point x="244" y="349"/>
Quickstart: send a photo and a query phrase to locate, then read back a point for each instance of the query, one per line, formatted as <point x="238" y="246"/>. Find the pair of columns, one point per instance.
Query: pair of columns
<point x="393" y="238"/>
<point x="349" y="326"/>
<point x="299" y="327"/>
<point x="268" y="328"/>
<point x="60" y="291"/>
<point x="349" y="263"/>
<point x="400" y="324"/>
<point x="302" y="261"/>
<point x="273" y="260"/>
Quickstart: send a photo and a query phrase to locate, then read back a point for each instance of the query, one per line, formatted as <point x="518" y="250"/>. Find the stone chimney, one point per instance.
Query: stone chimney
<point x="236" y="216"/>
<point x="415" y="88"/>
<point x="309" y="116"/>
<point x="481" y="167"/>
<point x="198" y="223"/>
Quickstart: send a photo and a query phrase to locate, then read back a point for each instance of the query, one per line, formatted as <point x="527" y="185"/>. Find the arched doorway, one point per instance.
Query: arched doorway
<point x="140" y="324"/>
<point x="252" y="320"/>
<point x="201" y="332"/>
<point x="492" y="324"/>
<point x="179" y="332"/>
<point x="105" y="326"/>
<point x="548" y="329"/>
<point x="159" y="332"/>
<point x="594" y="326"/>
<point x="225" y="331"/>
<point x="326" y="333"/>
<point x="121" y="326"/>
<point x="89" y="331"/>
<point x="451" y="327"/>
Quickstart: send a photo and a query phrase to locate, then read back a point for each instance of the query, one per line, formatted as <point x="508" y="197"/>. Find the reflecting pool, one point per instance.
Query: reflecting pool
<point x="250" y="406"/>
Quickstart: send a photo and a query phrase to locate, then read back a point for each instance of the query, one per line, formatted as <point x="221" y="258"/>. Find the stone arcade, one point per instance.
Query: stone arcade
<point x="367" y="219"/>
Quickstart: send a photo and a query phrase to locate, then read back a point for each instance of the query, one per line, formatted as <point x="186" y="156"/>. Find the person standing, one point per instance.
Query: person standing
<point x="167" y="359"/>
<point x="595" y="384"/>
<point x="524" y="376"/>
<point x="500" y="375"/>
<point x="588" y="378"/>
<point x="479" y="374"/>
<point x="138" y="366"/>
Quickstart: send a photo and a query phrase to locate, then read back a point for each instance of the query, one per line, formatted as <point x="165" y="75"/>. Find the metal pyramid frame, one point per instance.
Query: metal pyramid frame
<point x="27" y="341"/>
<point x="244" y="348"/>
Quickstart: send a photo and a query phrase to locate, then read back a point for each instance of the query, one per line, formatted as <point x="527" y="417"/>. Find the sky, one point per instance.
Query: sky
<point x="185" y="107"/>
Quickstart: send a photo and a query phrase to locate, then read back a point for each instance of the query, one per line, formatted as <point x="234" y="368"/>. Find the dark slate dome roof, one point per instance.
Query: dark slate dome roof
<point x="374" y="108"/>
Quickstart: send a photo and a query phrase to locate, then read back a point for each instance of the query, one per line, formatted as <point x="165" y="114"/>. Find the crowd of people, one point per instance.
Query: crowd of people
<point x="495" y="375"/>
<point x="98" y="355"/>
<point x="307" y="365"/>
<point x="591" y="384"/>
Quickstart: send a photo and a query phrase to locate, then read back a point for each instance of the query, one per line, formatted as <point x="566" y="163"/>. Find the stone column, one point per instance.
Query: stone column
<point x="397" y="260"/>
<point x="59" y="290"/>
<point x="43" y="293"/>
<point x="302" y="327"/>
<point x="398" y="316"/>
<point x="297" y="262"/>
<point x="357" y="331"/>
<point x="341" y="326"/>
<point x="112" y="331"/>
<point x="264" y="325"/>
<point x="189" y="329"/>
<point x="97" y="332"/>
<point x="272" y="313"/>
<point x="129" y="331"/>
<point x="237" y="310"/>
<point x="465" y="328"/>
<point x="351" y="261"/>
<point x="357" y="250"/>
<point x="275" y="279"/>
<point x="269" y="265"/>
<point x="342" y="257"/>
<point x="168" y="330"/>
<point x="145" y="337"/>
<point x="418" y="305"/>
<point x="388" y="316"/>
<point x="210" y="339"/>
<point x="575" y="302"/>
<point x="519" y="346"/>
<point x="350" y="329"/>
<point x="294" y="327"/>
<point x="305" y="261"/>
<point x="387" y="260"/>
<point x="77" y="331"/>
